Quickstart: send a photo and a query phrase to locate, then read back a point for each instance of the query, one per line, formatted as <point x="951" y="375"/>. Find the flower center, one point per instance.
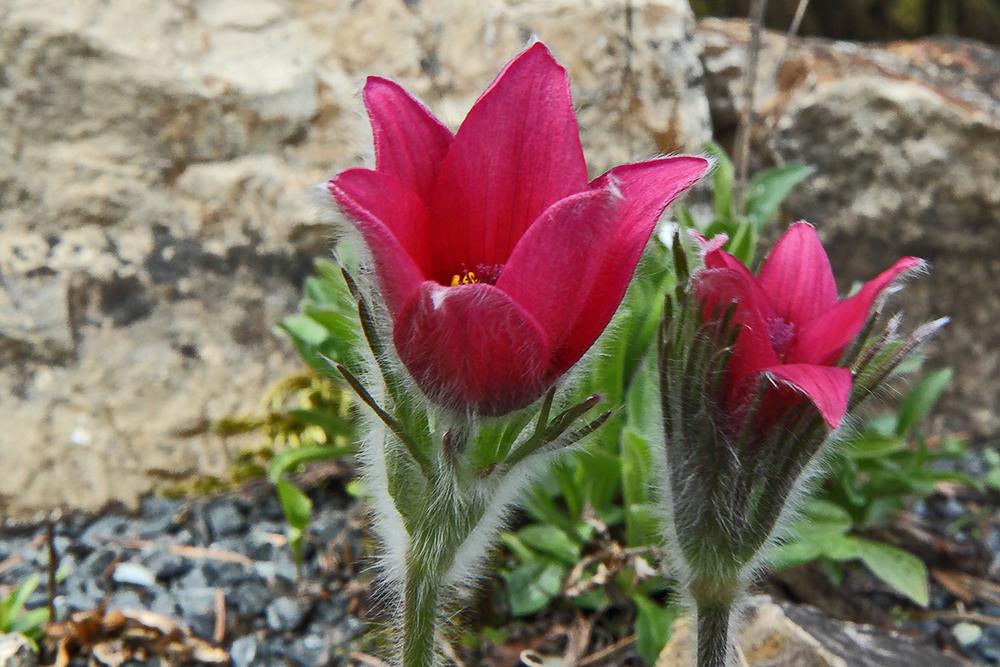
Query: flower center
<point x="781" y="334"/>
<point x="483" y="273"/>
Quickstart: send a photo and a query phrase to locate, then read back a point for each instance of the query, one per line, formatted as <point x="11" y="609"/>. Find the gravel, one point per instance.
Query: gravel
<point x="175" y="557"/>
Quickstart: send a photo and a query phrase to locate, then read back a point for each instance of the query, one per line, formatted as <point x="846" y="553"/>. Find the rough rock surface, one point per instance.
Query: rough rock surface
<point x="791" y="636"/>
<point x="905" y="140"/>
<point x="15" y="651"/>
<point x="156" y="215"/>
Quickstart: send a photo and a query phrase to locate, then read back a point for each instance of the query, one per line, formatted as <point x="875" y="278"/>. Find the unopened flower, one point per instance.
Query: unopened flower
<point x="793" y="328"/>
<point x="498" y="262"/>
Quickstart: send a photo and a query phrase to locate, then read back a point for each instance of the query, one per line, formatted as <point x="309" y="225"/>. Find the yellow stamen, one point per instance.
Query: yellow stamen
<point x="467" y="278"/>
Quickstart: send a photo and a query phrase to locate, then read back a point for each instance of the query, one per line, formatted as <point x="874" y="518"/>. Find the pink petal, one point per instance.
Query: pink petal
<point x="797" y="277"/>
<point x="410" y="143"/>
<point x="393" y="222"/>
<point x="823" y="340"/>
<point x="553" y="267"/>
<point x="717" y="258"/>
<point x="826" y="387"/>
<point x="753" y="351"/>
<point x="517" y="153"/>
<point x="471" y="347"/>
<point x="646" y="189"/>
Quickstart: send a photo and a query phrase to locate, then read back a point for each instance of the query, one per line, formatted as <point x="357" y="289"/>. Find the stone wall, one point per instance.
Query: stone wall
<point x="157" y="213"/>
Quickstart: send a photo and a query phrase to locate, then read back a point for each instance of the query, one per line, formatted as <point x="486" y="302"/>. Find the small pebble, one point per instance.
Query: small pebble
<point x="285" y="614"/>
<point x="134" y="574"/>
<point x="967" y="634"/>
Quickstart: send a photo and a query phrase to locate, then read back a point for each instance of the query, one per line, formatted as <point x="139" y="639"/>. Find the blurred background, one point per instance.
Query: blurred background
<point x="873" y="20"/>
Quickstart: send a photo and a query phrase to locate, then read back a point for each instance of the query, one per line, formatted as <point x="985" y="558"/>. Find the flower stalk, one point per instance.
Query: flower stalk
<point x="757" y="373"/>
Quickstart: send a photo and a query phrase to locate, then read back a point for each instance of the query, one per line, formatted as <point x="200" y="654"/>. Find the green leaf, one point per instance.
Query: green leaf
<point x="873" y="445"/>
<point x="333" y="424"/>
<point x="636" y="460"/>
<point x="921" y="398"/>
<point x="790" y="554"/>
<point x="30" y="623"/>
<point x="722" y="181"/>
<point x="295" y="504"/>
<point x="768" y="190"/>
<point x="305" y="329"/>
<point x="533" y="585"/>
<point x="551" y="541"/>
<point x="290" y="458"/>
<point x="822" y="520"/>
<point x="642" y="525"/>
<point x="653" y="627"/>
<point x="899" y="569"/>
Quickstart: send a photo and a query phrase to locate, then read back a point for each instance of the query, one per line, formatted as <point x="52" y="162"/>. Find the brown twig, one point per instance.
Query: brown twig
<point x="793" y="30"/>
<point x="609" y="652"/>
<point x="220" y="616"/>
<point x="53" y="563"/>
<point x="743" y="127"/>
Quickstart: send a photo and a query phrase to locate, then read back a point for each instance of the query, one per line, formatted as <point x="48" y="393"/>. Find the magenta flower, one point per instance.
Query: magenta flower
<point x="794" y="328"/>
<point x="498" y="262"/>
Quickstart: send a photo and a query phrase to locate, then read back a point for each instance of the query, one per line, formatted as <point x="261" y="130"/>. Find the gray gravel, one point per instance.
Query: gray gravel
<point x="156" y="561"/>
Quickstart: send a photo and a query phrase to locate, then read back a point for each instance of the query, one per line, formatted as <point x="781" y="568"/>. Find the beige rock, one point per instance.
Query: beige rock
<point x="157" y="213"/>
<point x="906" y="144"/>
<point x="767" y="638"/>
<point x="16" y="651"/>
<point x="786" y="635"/>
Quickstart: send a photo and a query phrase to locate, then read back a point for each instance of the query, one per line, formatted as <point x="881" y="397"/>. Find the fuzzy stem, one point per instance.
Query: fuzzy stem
<point x="420" y="618"/>
<point x="713" y="631"/>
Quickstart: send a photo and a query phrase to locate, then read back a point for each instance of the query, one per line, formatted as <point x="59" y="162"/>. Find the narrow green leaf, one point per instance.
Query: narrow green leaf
<point x="722" y="181"/>
<point x="289" y="458"/>
<point x="636" y="461"/>
<point x="550" y="540"/>
<point x="295" y="504"/>
<point x="653" y="627"/>
<point x="921" y="398"/>
<point x="333" y="424"/>
<point x="769" y="189"/>
<point x="873" y="445"/>
<point x="899" y="569"/>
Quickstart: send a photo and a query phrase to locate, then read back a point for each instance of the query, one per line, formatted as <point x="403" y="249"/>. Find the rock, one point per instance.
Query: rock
<point x="156" y="209"/>
<point x="905" y="139"/>
<point x="165" y="565"/>
<point x="197" y="607"/>
<point x="16" y="651"/>
<point x="285" y="614"/>
<point x="251" y="598"/>
<point x="967" y="634"/>
<point x="134" y="574"/>
<point x="224" y="519"/>
<point x="243" y="652"/>
<point x="789" y="636"/>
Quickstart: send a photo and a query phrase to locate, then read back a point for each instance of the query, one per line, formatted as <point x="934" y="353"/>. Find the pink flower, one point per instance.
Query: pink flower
<point x="794" y="328"/>
<point x="498" y="262"/>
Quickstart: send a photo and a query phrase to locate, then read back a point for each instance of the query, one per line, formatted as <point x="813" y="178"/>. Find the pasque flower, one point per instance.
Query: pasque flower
<point x="793" y="326"/>
<point x="498" y="262"/>
<point x="756" y="373"/>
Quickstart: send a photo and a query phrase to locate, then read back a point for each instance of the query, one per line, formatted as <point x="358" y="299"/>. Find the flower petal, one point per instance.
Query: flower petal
<point x="517" y="153"/>
<point x="797" y="277"/>
<point x="553" y="267"/>
<point x="410" y="143"/>
<point x="471" y="347"/>
<point x="718" y="288"/>
<point x="823" y="340"/>
<point x="645" y="189"/>
<point x="826" y="387"/>
<point x="393" y="222"/>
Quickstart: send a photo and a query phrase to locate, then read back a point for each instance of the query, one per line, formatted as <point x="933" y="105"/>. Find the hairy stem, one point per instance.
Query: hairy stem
<point x="420" y="618"/>
<point x="713" y="631"/>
